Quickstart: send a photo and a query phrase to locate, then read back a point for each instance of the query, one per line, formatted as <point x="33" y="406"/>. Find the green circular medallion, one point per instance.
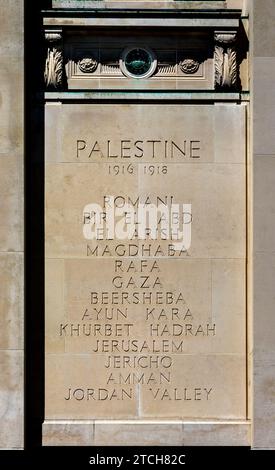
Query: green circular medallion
<point x="138" y="62"/>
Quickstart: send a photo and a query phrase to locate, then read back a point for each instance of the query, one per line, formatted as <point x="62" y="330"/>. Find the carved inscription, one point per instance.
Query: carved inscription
<point x="131" y="360"/>
<point x="145" y="327"/>
<point x="137" y="149"/>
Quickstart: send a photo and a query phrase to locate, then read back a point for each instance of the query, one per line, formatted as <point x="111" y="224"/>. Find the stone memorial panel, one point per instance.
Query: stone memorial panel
<point x="145" y="324"/>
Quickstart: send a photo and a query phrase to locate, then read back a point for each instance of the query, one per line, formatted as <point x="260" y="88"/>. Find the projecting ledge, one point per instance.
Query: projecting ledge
<point x="147" y="96"/>
<point x="219" y="22"/>
<point x="144" y="433"/>
<point x="137" y="4"/>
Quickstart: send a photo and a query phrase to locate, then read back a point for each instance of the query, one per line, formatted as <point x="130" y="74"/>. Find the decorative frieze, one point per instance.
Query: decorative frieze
<point x="225" y="56"/>
<point x="100" y="63"/>
<point x="92" y="60"/>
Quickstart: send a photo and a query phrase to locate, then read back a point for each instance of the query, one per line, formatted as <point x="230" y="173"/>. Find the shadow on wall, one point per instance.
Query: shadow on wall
<point x="34" y="223"/>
